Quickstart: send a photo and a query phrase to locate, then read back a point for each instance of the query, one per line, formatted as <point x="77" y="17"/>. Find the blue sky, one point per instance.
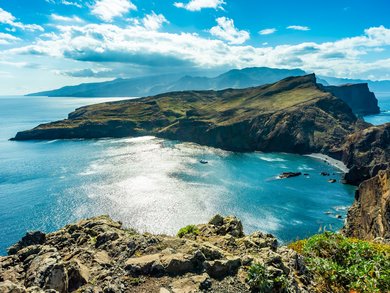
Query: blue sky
<point x="46" y="44"/>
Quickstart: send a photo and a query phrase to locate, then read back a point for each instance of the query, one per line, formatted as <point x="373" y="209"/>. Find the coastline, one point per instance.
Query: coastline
<point x="335" y="163"/>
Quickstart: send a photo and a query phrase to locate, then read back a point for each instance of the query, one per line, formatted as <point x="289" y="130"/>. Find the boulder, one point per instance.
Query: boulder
<point x="219" y="269"/>
<point x="47" y="271"/>
<point x="31" y="238"/>
<point x="192" y="284"/>
<point x="106" y="237"/>
<point x="9" y="287"/>
<point x="217" y="220"/>
<point x="78" y="275"/>
<point x="143" y="265"/>
<point x="177" y="264"/>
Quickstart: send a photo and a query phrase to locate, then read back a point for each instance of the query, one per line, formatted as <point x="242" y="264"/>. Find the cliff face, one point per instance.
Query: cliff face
<point x="366" y="152"/>
<point x="369" y="217"/>
<point x="292" y="115"/>
<point x="357" y="96"/>
<point x="98" y="255"/>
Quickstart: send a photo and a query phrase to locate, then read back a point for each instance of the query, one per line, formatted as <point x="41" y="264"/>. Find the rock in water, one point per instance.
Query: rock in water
<point x="289" y="174"/>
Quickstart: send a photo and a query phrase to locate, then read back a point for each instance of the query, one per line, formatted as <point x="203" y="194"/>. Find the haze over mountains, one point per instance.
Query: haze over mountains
<point x="152" y="85"/>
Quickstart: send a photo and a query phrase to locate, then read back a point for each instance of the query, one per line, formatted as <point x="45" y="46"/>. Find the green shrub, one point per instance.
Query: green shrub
<point x="135" y="281"/>
<point x="260" y="280"/>
<point x="344" y="264"/>
<point x="190" y="229"/>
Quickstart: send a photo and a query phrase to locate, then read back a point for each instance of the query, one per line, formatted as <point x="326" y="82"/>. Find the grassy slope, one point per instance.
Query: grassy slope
<point x="342" y="264"/>
<point x="217" y="107"/>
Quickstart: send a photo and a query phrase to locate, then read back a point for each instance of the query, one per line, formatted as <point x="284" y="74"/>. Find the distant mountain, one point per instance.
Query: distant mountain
<point x="377" y="87"/>
<point x="236" y="78"/>
<point x="152" y="85"/>
<point x="134" y="87"/>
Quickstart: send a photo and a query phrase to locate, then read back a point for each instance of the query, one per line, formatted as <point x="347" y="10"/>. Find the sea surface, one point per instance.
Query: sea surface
<point x="153" y="184"/>
<point x="384" y="105"/>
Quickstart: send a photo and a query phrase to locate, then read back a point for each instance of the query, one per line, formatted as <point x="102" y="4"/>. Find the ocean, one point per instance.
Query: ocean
<point x="153" y="184"/>
<point x="384" y="105"/>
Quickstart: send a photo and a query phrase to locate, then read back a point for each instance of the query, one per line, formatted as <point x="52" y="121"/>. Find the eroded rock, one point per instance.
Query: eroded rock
<point x="98" y="255"/>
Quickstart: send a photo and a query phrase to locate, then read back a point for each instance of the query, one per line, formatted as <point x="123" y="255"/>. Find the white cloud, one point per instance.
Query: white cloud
<point x="298" y="28"/>
<point x="65" y="2"/>
<point x="73" y="19"/>
<point x="9" y="19"/>
<point x="197" y="5"/>
<point x="107" y="44"/>
<point x="267" y="31"/>
<point x="69" y="3"/>
<point x="107" y="10"/>
<point x="6" y="39"/>
<point x="154" y="21"/>
<point x="226" y="30"/>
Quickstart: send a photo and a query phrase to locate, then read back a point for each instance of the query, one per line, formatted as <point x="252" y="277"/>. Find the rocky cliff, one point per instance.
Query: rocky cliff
<point x="369" y="217"/>
<point x="357" y="96"/>
<point x="366" y="152"/>
<point x="293" y="115"/>
<point x="98" y="255"/>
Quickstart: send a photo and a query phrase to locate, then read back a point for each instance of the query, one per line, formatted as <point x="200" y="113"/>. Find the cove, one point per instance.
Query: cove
<point x="153" y="184"/>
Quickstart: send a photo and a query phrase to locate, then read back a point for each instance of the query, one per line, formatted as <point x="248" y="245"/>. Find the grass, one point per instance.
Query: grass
<point x="188" y="230"/>
<point x="212" y="105"/>
<point x="135" y="281"/>
<point x="260" y="280"/>
<point x="342" y="264"/>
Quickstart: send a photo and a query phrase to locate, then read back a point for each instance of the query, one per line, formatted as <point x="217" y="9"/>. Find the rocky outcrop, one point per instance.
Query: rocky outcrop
<point x="366" y="152"/>
<point x="98" y="255"/>
<point x="369" y="216"/>
<point x="357" y="96"/>
<point x="293" y="115"/>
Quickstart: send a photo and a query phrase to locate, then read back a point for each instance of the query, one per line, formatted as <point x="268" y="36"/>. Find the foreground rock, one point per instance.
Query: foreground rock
<point x="98" y="255"/>
<point x="369" y="217"/>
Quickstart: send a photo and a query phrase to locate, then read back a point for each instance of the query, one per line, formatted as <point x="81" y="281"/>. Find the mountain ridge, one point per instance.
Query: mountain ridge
<point x="235" y="78"/>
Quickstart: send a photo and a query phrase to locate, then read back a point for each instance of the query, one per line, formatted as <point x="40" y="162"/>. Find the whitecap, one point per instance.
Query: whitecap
<point x="268" y="159"/>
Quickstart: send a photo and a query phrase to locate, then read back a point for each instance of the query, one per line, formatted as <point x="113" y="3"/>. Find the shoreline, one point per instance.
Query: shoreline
<point x="335" y="163"/>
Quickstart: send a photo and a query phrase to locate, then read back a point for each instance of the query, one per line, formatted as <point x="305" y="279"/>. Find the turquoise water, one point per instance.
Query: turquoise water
<point x="384" y="116"/>
<point x="152" y="184"/>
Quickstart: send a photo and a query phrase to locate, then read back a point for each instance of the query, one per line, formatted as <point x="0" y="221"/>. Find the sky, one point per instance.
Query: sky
<point x="46" y="44"/>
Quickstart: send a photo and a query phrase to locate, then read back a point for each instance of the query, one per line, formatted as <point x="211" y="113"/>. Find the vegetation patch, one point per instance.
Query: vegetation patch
<point x="342" y="264"/>
<point x="261" y="280"/>
<point x="188" y="230"/>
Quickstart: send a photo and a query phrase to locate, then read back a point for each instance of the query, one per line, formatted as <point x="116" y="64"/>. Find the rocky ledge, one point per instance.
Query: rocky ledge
<point x="98" y="255"/>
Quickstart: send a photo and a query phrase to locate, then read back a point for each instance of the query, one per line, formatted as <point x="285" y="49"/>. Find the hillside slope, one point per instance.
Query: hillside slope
<point x="293" y="115"/>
